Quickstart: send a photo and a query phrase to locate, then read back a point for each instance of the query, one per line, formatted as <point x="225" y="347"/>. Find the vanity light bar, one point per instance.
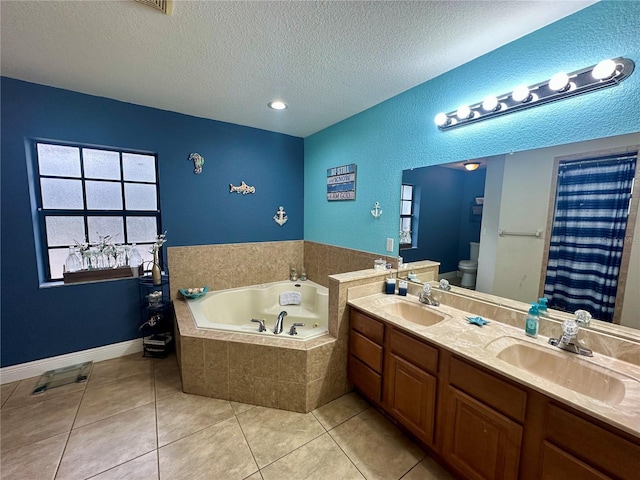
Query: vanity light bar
<point x="607" y="73"/>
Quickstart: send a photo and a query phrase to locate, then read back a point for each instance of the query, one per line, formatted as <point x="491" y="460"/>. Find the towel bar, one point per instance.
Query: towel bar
<point x="504" y="233"/>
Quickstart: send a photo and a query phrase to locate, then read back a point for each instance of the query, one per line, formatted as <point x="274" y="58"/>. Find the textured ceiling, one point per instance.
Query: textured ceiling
<point x="227" y="60"/>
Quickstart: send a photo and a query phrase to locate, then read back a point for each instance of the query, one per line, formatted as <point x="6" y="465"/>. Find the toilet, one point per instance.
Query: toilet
<point x="469" y="268"/>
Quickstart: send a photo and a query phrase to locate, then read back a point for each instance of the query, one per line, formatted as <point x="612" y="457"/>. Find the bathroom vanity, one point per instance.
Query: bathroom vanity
<point x="487" y="414"/>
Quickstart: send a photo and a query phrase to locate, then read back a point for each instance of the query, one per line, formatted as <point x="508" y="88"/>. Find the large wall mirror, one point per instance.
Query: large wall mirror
<point x="503" y="212"/>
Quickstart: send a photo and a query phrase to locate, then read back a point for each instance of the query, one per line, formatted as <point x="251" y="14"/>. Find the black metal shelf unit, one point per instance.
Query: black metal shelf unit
<point x="156" y="317"/>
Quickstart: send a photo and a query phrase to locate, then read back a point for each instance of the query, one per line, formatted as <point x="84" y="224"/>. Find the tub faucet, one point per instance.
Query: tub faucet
<point x="569" y="339"/>
<point x="278" y="328"/>
<point x="292" y="330"/>
<point x="261" y="327"/>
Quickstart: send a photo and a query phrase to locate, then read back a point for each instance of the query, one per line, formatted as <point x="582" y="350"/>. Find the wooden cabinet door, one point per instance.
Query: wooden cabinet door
<point x="559" y="465"/>
<point x="480" y="442"/>
<point x="411" y="397"/>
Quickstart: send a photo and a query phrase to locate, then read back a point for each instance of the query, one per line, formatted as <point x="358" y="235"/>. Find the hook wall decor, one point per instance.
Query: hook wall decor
<point x="243" y="188"/>
<point x="198" y="162"/>
<point x="280" y="217"/>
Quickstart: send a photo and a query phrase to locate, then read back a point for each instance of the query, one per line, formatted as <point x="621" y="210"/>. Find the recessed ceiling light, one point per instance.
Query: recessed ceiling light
<point x="277" y="105"/>
<point x="471" y="166"/>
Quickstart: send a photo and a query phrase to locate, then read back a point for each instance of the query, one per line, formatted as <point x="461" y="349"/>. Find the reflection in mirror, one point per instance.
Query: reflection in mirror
<point x="447" y="218"/>
<point x="506" y="209"/>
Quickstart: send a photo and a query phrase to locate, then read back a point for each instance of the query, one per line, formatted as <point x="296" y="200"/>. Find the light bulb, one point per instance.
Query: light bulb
<point x="490" y="104"/>
<point x="521" y="94"/>
<point x="277" y="105"/>
<point x="559" y="82"/>
<point x="603" y="70"/>
<point x="463" y="112"/>
<point x="441" y="119"/>
<point x="471" y="166"/>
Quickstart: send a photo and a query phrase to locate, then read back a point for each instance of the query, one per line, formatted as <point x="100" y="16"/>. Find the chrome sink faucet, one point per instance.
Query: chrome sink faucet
<point x="425" y="296"/>
<point x="278" y="328"/>
<point x="569" y="339"/>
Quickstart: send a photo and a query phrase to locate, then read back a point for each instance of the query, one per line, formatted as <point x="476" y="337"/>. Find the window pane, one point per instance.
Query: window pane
<point x="101" y="164"/>
<point x="61" y="194"/>
<point x="406" y="224"/>
<point x="103" y="195"/>
<point x="140" y="197"/>
<point x="58" y="160"/>
<point x="64" y="230"/>
<point x="407" y="192"/>
<point x="147" y="256"/>
<point x="57" y="256"/>
<point x="141" y="229"/>
<point x="139" y="168"/>
<point x="104" y="226"/>
<point x="406" y="207"/>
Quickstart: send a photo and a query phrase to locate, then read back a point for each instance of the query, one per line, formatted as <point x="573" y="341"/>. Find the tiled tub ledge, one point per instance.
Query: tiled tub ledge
<point x="268" y="371"/>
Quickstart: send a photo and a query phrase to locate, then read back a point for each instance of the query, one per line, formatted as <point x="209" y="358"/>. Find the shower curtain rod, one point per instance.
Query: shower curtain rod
<point x="601" y="160"/>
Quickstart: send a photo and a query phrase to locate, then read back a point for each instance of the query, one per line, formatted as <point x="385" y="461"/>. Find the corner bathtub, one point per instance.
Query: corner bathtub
<point x="232" y="310"/>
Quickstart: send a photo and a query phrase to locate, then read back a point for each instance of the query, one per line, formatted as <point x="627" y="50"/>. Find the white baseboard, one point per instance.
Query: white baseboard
<point x="21" y="371"/>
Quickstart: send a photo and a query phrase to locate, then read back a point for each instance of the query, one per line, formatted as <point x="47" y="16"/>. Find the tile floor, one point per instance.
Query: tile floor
<point x="130" y="420"/>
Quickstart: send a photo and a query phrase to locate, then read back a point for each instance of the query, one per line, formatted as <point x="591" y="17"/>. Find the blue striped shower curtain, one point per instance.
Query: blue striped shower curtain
<point x="587" y="238"/>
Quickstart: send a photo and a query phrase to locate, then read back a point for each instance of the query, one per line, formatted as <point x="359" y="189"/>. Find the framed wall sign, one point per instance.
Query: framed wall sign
<point x="341" y="182"/>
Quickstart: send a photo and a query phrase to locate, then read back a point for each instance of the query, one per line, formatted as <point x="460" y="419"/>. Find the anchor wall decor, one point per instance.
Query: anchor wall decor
<point x="377" y="211"/>
<point x="281" y="216"/>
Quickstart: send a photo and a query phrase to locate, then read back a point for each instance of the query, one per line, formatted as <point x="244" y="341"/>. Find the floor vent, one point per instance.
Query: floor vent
<point x="165" y="6"/>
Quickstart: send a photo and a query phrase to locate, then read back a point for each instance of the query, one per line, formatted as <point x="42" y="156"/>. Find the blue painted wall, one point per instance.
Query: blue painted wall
<point x="472" y="187"/>
<point x="399" y="133"/>
<point x="196" y="209"/>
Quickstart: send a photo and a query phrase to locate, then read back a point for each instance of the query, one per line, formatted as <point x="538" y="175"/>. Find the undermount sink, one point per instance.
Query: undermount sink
<point x="562" y="368"/>
<point x="412" y="312"/>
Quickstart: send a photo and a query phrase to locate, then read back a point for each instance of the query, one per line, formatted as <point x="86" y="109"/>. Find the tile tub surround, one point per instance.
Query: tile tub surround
<point x="271" y="372"/>
<point x="323" y="260"/>
<point x="241" y="264"/>
<point x="475" y="344"/>
<point x="232" y="265"/>
<point x="268" y="371"/>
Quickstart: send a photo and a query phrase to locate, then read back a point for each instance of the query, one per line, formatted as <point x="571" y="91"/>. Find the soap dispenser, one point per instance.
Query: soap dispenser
<point x="390" y="285"/>
<point x="542" y="307"/>
<point x="532" y="322"/>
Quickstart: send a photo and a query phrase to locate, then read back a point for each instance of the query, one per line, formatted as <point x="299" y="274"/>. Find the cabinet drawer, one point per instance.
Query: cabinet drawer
<point x="367" y="326"/>
<point x="491" y="390"/>
<point x="592" y="444"/>
<point x="369" y="352"/>
<point x="414" y="350"/>
<point x="365" y="379"/>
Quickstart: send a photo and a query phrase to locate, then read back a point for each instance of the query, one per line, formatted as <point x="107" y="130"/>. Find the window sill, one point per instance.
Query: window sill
<point x="99" y="274"/>
<point x="94" y="276"/>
